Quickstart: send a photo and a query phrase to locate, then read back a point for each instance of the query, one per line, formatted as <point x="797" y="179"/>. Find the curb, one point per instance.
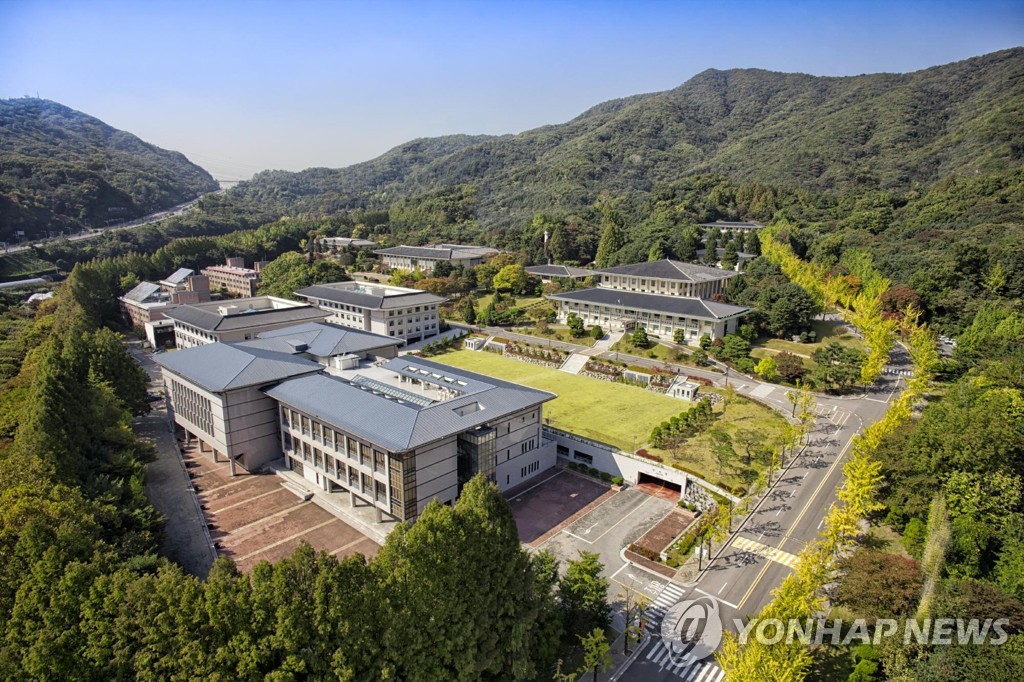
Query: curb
<point x="640" y="646"/>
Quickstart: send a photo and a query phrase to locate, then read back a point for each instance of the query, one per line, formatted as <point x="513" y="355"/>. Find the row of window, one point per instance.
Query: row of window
<point x="411" y="311"/>
<point x="192" y="406"/>
<point x="529" y="469"/>
<point x="344" y="475"/>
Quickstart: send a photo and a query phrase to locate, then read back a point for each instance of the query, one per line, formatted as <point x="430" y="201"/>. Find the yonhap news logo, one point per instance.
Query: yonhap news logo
<point x="692" y="629"/>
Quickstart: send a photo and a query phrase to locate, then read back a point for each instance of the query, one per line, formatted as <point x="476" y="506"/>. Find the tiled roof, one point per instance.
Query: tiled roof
<point x="727" y="225"/>
<point x="365" y="300"/>
<point x="179" y="276"/>
<point x="670" y="269"/>
<point x="221" y="366"/>
<point x="404" y="425"/>
<point x="558" y="271"/>
<point x="322" y="340"/>
<point x="210" y="320"/>
<point x="673" y="305"/>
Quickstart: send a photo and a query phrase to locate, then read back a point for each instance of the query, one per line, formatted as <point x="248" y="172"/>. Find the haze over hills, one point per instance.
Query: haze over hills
<point x="823" y="134"/>
<point x="61" y="169"/>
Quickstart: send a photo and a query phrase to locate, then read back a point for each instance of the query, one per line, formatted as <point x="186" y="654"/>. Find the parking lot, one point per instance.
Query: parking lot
<point x="252" y="518"/>
<point x="541" y="508"/>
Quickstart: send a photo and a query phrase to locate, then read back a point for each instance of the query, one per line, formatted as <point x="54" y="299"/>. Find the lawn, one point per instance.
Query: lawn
<point x="746" y="423"/>
<point x="657" y="351"/>
<point x="616" y="414"/>
<point x="555" y="334"/>
<point x="521" y="302"/>
<point x="826" y="331"/>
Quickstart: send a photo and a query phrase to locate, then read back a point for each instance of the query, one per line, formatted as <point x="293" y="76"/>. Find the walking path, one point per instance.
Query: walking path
<point x="575" y="363"/>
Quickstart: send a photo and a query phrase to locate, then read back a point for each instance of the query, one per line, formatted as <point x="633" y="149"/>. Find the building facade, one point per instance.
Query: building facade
<point x="240" y="319"/>
<point x="407" y="314"/>
<point x="234" y="278"/>
<point x="424" y="258"/>
<point x="661" y="296"/>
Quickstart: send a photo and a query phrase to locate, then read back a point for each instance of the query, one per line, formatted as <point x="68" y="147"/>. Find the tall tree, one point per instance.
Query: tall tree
<point x="608" y="247"/>
<point x="583" y="593"/>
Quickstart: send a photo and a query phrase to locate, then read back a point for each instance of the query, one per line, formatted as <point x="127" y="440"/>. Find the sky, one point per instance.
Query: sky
<point x="240" y="87"/>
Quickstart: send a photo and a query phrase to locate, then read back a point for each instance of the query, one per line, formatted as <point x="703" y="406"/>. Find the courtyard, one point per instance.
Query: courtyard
<point x="252" y="518"/>
<point x="613" y="413"/>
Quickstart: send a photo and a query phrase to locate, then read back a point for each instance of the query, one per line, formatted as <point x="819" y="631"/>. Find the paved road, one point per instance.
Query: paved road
<point x="168" y="487"/>
<point x="151" y="218"/>
<point x="762" y="553"/>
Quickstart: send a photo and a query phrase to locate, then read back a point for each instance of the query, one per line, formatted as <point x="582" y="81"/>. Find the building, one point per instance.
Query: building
<point x="239" y="319"/>
<point x="741" y="258"/>
<point x="328" y="344"/>
<point x="145" y="307"/>
<point x="395" y="436"/>
<point x="734" y="227"/>
<point x="425" y="258"/>
<point x="407" y="314"/>
<point x="346" y="243"/>
<point x="549" y="273"/>
<point x="661" y="296"/>
<point x="234" y="278"/>
<point x="213" y="394"/>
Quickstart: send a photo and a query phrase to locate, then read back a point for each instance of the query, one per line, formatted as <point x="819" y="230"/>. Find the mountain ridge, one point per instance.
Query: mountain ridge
<point x="62" y="169"/>
<point x="821" y="133"/>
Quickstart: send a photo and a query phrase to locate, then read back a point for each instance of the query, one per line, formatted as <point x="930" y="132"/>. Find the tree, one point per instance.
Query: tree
<point x="767" y="369"/>
<point x="838" y="366"/>
<point x="752" y="244"/>
<point x="596" y="332"/>
<point x="557" y="247"/>
<point x="705" y="341"/>
<point x="128" y="282"/>
<point x="879" y="585"/>
<point x="110" y="362"/>
<point x="914" y="535"/>
<point x="656" y="252"/>
<point x="583" y="593"/>
<point x="469" y="311"/>
<point x="639" y="338"/>
<point x="597" y="652"/>
<point x="511" y="278"/>
<point x="789" y="367"/>
<point x="634" y="605"/>
<point x="442" y="268"/>
<point x="611" y="242"/>
<point x="290" y="272"/>
<point x="679" y="336"/>
<point x="575" y="323"/>
<point x="789" y="308"/>
<point x="730" y="256"/>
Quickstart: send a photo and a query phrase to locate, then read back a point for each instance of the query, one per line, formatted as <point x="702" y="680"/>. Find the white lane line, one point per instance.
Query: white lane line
<point x="708" y="594"/>
<point x="722" y="587"/>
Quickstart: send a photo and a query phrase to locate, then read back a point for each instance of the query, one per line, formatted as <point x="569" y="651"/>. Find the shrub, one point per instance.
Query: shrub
<point x="645" y="552"/>
<point x="617" y="480"/>
<point x="605" y="476"/>
<point x="596" y="332"/>
<point x="593" y="471"/>
<point x="572" y="465"/>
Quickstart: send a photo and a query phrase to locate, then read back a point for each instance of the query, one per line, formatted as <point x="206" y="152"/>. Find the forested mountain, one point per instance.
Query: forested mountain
<point x="61" y="169"/>
<point x="794" y="131"/>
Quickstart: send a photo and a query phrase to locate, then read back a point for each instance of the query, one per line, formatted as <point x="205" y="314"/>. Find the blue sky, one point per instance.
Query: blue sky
<point x="244" y="86"/>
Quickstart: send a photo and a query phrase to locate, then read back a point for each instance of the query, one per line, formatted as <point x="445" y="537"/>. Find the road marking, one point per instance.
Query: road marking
<point x="773" y="553"/>
<point x="796" y="522"/>
<point x="722" y="587"/>
<point x="685" y="667"/>
<point x="245" y="501"/>
<point x="631" y="512"/>
<point x="708" y="594"/>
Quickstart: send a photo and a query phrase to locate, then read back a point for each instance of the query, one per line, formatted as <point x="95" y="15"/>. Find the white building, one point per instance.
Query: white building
<point x="661" y="296"/>
<point x="238" y="319"/>
<point x="407" y="314"/>
<point x="425" y="258"/>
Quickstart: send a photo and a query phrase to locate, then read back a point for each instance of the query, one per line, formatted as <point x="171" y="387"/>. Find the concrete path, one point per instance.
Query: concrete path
<point x="169" y="489"/>
<point x="575" y="363"/>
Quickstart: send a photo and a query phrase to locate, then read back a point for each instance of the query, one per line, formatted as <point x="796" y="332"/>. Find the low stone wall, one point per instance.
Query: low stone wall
<point x="532" y="361"/>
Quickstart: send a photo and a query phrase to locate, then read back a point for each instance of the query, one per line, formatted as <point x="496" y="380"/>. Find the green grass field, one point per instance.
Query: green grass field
<point x="611" y="413"/>
<point x="555" y="334"/>
<point x="826" y="331"/>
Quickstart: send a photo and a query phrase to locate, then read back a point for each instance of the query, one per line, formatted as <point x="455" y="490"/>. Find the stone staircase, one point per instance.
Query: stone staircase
<point x="574" y="364"/>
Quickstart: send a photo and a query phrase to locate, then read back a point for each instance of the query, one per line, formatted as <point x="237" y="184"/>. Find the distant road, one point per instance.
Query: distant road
<point x="89" y="233"/>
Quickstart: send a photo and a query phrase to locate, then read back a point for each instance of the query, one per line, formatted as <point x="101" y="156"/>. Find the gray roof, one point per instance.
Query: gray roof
<point x="322" y="340"/>
<point x="670" y="269"/>
<point x="179" y="276"/>
<point x="558" y="271"/>
<point x="727" y="225"/>
<point x="720" y="251"/>
<point x="211" y="320"/>
<point x="141" y="292"/>
<point x="404" y="425"/>
<point x="364" y="300"/>
<point x="673" y="305"/>
<point x="220" y="367"/>
<point x="438" y="251"/>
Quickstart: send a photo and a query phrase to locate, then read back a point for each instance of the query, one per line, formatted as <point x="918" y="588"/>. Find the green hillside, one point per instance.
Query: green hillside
<point x="61" y="169"/>
<point x="799" y="132"/>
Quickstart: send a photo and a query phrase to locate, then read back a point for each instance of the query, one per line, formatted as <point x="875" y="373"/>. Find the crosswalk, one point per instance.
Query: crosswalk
<point x="833" y="414"/>
<point x="687" y="669"/>
<point x="773" y="553"/>
<point x="656" y="611"/>
<point x="899" y="372"/>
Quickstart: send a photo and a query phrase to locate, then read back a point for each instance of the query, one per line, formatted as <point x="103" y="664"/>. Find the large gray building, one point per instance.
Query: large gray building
<point x="394" y="434"/>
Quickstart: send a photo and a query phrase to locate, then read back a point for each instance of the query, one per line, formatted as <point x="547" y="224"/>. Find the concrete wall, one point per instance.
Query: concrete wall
<point x="252" y="418"/>
<point x="606" y="458"/>
<point x="513" y="434"/>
